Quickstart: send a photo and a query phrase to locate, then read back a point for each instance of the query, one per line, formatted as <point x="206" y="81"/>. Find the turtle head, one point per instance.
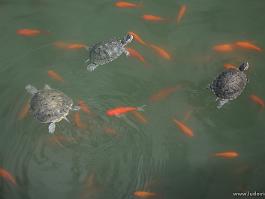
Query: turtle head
<point x="127" y="39"/>
<point x="244" y="66"/>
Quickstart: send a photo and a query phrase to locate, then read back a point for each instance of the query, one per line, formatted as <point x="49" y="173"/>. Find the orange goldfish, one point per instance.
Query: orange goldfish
<point x="24" y="111"/>
<point x="52" y="74"/>
<point x="140" y="117"/>
<point x="182" y="11"/>
<point x="228" y="66"/>
<point x="137" y="38"/>
<point x="161" y="52"/>
<point x="122" y="110"/>
<point x="184" y="128"/>
<point x="78" y="122"/>
<point x="28" y="32"/>
<point x="136" y="54"/>
<point x="256" y="99"/>
<point x="163" y="93"/>
<point x="124" y="4"/>
<point x="83" y="106"/>
<point x="7" y="176"/>
<point x="247" y="45"/>
<point x="69" y="46"/>
<point x="223" y="48"/>
<point x="152" y="18"/>
<point x="227" y="154"/>
<point x="144" y="194"/>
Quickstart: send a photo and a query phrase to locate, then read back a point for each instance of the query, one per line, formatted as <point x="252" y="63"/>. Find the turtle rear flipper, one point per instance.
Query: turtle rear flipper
<point x="46" y="86"/>
<point x="31" y="89"/>
<point x="91" y="66"/>
<point x="52" y="127"/>
<point x="221" y="102"/>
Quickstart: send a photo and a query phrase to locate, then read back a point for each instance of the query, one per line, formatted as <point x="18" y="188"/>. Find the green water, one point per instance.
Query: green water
<point x="156" y="156"/>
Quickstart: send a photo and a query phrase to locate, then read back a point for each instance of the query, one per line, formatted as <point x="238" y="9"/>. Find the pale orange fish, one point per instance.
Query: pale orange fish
<point x="24" y="111"/>
<point x="247" y="45"/>
<point x="228" y="66"/>
<point x="28" y="32"/>
<point x="52" y="74"/>
<point x="144" y="194"/>
<point x="137" y="55"/>
<point x="164" y="93"/>
<point x="161" y="52"/>
<point x="61" y="138"/>
<point x="184" y="128"/>
<point x="152" y="18"/>
<point x="78" y="122"/>
<point x="227" y="154"/>
<point x="258" y="100"/>
<point x="69" y="46"/>
<point x="223" y="48"/>
<point x="124" y="4"/>
<point x="7" y="176"/>
<point x="110" y="131"/>
<point x="83" y="106"/>
<point x="181" y="13"/>
<point x="139" y="116"/>
<point x="123" y="110"/>
<point x="137" y="38"/>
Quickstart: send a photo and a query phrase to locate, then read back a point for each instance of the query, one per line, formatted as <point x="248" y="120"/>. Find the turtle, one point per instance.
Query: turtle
<point x="49" y="105"/>
<point x="106" y="51"/>
<point x="229" y="84"/>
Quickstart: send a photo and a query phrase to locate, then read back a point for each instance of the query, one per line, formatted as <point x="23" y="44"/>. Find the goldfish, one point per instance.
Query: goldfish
<point x="184" y="128"/>
<point x="152" y="18"/>
<point x="227" y="154"/>
<point x="83" y="106"/>
<point x="228" y="66"/>
<point x="136" y="54"/>
<point x="247" y="45"/>
<point x="181" y="13"/>
<point x="78" y="122"/>
<point x="163" y="93"/>
<point x="69" y="46"/>
<point x="139" y="116"/>
<point x="144" y="194"/>
<point x="223" y="48"/>
<point x="137" y="38"/>
<point x="256" y="99"/>
<point x="124" y="4"/>
<point x="24" y="111"/>
<point x="7" y="176"/>
<point x="52" y="74"/>
<point x="161" y="52"/>
<point x="28" y="32"/>
<point x="123" y="109"/>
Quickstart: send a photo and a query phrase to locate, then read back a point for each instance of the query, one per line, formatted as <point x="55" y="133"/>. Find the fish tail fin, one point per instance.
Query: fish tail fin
<point x="141" y="108"/>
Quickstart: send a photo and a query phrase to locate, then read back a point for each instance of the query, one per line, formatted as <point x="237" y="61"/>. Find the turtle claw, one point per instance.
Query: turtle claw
<point x="46" y="86"/>
<point x="127" y="53"/>
<point x="91" y="67"/>
<point x="52" y="128"/>
<point x="31" y="89"/>
<point x="75" y="108"/>
<point x="221" y="102"/>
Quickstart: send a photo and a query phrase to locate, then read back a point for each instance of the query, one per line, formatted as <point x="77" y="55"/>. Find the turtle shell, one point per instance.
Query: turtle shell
<point x="105" y="52"/>
<point x="229" y="84"/>
<point x="50" y="105"/>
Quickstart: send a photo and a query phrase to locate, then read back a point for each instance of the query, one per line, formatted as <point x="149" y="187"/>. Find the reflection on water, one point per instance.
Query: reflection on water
<point x="179" y="48"/>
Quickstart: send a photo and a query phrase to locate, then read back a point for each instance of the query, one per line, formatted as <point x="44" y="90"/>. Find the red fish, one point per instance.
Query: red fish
<point x="184" y="128"/>
<point x="83" y="106"/>
<point x="139" y="116"/>
<point x="181" y="13"/>
<point x="164" y="93"/>
<point x="7" y="176"/>
<point x="227" y="154"/>
<point x="24" y="111"/>
<point x="256" y="99"/>
<point x="161" y="52"/>
<point x="78" y="122"/>
<point x="153" y="18"/>
<point x="144" y="194"/>
<point x="137" y="55"/>
<point x="124" y="4"/>
<point x="69" y="46"/>
<point x="228" y="66"/>
<point x="247" y="45"/>
<point x="223" y="48"/>
<point x="52" y="74"/>
<point x="122" y="110"/>
<point x="28" y="32"/>
<point x="137" y="38"/>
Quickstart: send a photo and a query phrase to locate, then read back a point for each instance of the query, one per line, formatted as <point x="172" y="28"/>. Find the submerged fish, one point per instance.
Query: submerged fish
<point x="123" y="110"/>
<point x="124" y="4"/>
<point x="54" y="75"/>
<point x="83" y="106"/>
<point x="137" y="55"/>
<point x="28" y="32"/>
<point x="137" y="38"/>
<point x="24" y="111"/>
<point x="69" y="46"/>
<point x="7" y="176"/>
<point x="78" y="122"/>
<point x="184" y="128"/>
<point x="164" y="93"/>
<point x="161" y="52"/>
<point x="258" y="100"/>
<point x="247" y="45"/>
<point x="181" y="13"/>
<point x="224" y="48"/>
<point x="144" y="194"/>
<point x="227" y="154"/>
<point x="153" y="18"/>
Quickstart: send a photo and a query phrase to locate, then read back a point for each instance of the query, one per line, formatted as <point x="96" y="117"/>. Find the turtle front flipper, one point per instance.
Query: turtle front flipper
<point x="221" y="102"/>
<point x="46" y="86"/>
<point x="75" y="108"/>
<point x="126" y="52"/>
<point x="31" y="89"/>
<point x="91" y="66"/>
<point x="52" y="127"/>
